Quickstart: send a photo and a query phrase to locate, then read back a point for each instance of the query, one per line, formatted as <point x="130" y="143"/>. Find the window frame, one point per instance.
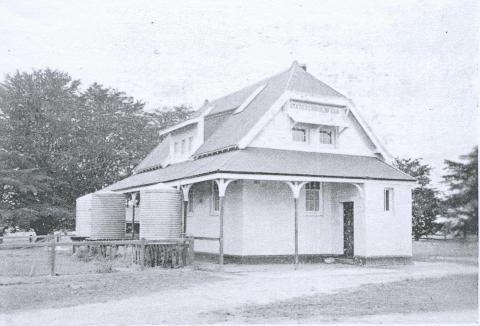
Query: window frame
<point x="317" y="198"/>
<point x="214" y="199"/>
<point x="330" y="133"/>
<point x="305" y="135"/>
<point x="175" y="148"/>
<point x="183" y="146"/>
<point x="388" y="200"/>
<point x="190" y="144"/>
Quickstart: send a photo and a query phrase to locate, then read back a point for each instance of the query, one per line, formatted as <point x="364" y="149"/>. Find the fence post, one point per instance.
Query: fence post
<point x="191" y="250"/>
<point x="142" y="253"/>
<point x="52" y="255"/>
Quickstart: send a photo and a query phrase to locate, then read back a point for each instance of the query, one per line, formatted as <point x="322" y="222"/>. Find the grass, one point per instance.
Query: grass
<point x="72" y="290"/>
<point x="425" y="295"/>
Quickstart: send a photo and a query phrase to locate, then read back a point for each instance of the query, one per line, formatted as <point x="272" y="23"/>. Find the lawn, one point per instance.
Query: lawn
<point x="446" y="294"/>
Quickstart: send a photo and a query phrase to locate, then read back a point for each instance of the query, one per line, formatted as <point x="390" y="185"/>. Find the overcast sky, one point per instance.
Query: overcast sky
<point x="410" y="66"/>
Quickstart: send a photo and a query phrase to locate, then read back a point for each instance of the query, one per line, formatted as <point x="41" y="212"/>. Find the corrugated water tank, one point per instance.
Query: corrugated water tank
<point x="101" y="215"/>
<point x="161" y="213"/>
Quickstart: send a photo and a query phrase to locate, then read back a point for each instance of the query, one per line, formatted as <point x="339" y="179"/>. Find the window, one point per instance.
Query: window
<point x="183" y="146"/>
<point x="388" y="199"/>
<point x="190" y="201"/>
<point x="190" y="144"/>
<point x="215" y="204"/>
<point x="326" y="137"/>
<point x="175" y="148"/>
<point x="313" y="197"/>
<point x="299" y="135"/>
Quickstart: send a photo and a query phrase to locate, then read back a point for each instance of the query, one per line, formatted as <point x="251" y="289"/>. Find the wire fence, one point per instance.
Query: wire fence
<point x="54" y="255"/>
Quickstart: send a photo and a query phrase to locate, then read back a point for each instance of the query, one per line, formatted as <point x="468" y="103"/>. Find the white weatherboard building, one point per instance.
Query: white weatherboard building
<point x="283" y="169"/>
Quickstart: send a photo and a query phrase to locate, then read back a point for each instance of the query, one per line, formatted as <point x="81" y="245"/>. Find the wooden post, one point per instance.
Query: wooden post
<point x="296" y="187"/>
<point x="142" y="253"/>
<point x="134" y="200"/>
<point x="221" y="204"/>
<point x="185" y="212"/>
<point x="52" y="255"/>
<point x="295" y="199"/>
<point x="191" y="250"/>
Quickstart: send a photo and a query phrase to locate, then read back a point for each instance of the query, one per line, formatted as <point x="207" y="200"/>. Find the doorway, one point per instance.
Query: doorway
<point x="348" y="236"/>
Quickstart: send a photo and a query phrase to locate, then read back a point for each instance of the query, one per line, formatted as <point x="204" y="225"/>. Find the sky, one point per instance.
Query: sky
<point x="411" y="67"/>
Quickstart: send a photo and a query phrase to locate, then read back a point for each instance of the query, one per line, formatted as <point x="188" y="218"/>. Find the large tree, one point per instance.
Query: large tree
<point x="462" y="201"/>
<point x="58" y="142"/>
<point x="425" y="200"/>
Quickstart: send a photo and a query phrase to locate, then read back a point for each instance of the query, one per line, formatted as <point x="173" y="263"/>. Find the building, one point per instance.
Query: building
<point x="283" y="169"/>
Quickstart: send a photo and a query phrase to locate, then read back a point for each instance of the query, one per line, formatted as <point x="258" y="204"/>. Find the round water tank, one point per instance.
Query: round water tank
<point x="161" y="213"/>
<point x="83" y="219"/>
<point x="107" y="215"/>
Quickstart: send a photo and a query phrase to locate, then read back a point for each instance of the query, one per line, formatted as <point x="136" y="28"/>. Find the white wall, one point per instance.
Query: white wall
<point x="388" y="233"/>
<point x="277" y="134"/>
<point x="259" y="220"/>
<point x="268" y="227"/>
<point x="201" y="222"/>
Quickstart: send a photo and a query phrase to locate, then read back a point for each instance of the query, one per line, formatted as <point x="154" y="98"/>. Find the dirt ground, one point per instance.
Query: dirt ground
<point x="441" y="286"/>
<point x="72" y="290"/>
<point x="446" y="294"/>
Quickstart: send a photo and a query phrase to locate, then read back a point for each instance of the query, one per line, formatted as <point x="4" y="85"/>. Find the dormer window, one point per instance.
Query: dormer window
<point x="299" y="135"/>
<point x="175" y="148"/>
<point x="183" y="146"/>
<point x="326" y="137"/>
<point x="190" y="144"/>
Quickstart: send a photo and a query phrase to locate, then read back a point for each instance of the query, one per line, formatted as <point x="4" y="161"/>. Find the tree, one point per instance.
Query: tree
<point x="58" y="142"/>
<point x="425" y="201"/>
<point x="34" y="132"/>
<point x="462" y="180"/>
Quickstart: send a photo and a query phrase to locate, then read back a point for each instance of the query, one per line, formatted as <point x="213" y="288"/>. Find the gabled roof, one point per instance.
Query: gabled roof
<point x="266" y="161"/>
<point x="230" y="126"/>
<point x="238" y="125"/>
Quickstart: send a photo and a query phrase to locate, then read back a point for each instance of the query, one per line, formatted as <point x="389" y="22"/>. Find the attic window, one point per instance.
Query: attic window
<point x="249" y="99"/>
<point x="326" y="137"/>
<point x="299" y="135"/>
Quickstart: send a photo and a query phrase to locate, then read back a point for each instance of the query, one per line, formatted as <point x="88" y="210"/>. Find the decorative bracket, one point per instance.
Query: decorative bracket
<point x="222" y="186"/>
<point x="185" y="189"/>
<point x="296" y="186"/>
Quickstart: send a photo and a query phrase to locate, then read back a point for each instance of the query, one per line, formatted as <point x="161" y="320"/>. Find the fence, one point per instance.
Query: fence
<point x="54" y="255"/>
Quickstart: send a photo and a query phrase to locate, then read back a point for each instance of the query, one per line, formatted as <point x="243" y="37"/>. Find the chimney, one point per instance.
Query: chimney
<point x="303" y="66"/>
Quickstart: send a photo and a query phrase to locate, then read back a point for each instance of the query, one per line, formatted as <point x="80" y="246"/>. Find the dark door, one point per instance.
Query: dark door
<point x="348" y="228"/>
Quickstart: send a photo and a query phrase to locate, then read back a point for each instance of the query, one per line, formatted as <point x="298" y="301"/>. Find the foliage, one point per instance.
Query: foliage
<point x="462" y="180"/>
<point x="58" y="142"/>
<point x="426" y="204"/>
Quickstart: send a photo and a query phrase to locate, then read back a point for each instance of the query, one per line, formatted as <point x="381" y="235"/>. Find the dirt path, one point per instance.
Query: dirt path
<point x="243" y="285"/>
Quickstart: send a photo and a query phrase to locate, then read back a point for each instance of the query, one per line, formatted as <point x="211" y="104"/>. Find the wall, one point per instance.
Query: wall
<point x="201" y="222"/>
<point x="388" y="233"/>
<point x="277" y="134"/>
<point x="268" y="227"/>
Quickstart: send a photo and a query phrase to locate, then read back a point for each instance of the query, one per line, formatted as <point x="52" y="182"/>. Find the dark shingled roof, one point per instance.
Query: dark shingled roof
<point x="270" y="161"/>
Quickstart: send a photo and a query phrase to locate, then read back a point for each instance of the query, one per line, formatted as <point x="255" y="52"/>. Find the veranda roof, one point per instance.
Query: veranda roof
<point x="266" y="161"/>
